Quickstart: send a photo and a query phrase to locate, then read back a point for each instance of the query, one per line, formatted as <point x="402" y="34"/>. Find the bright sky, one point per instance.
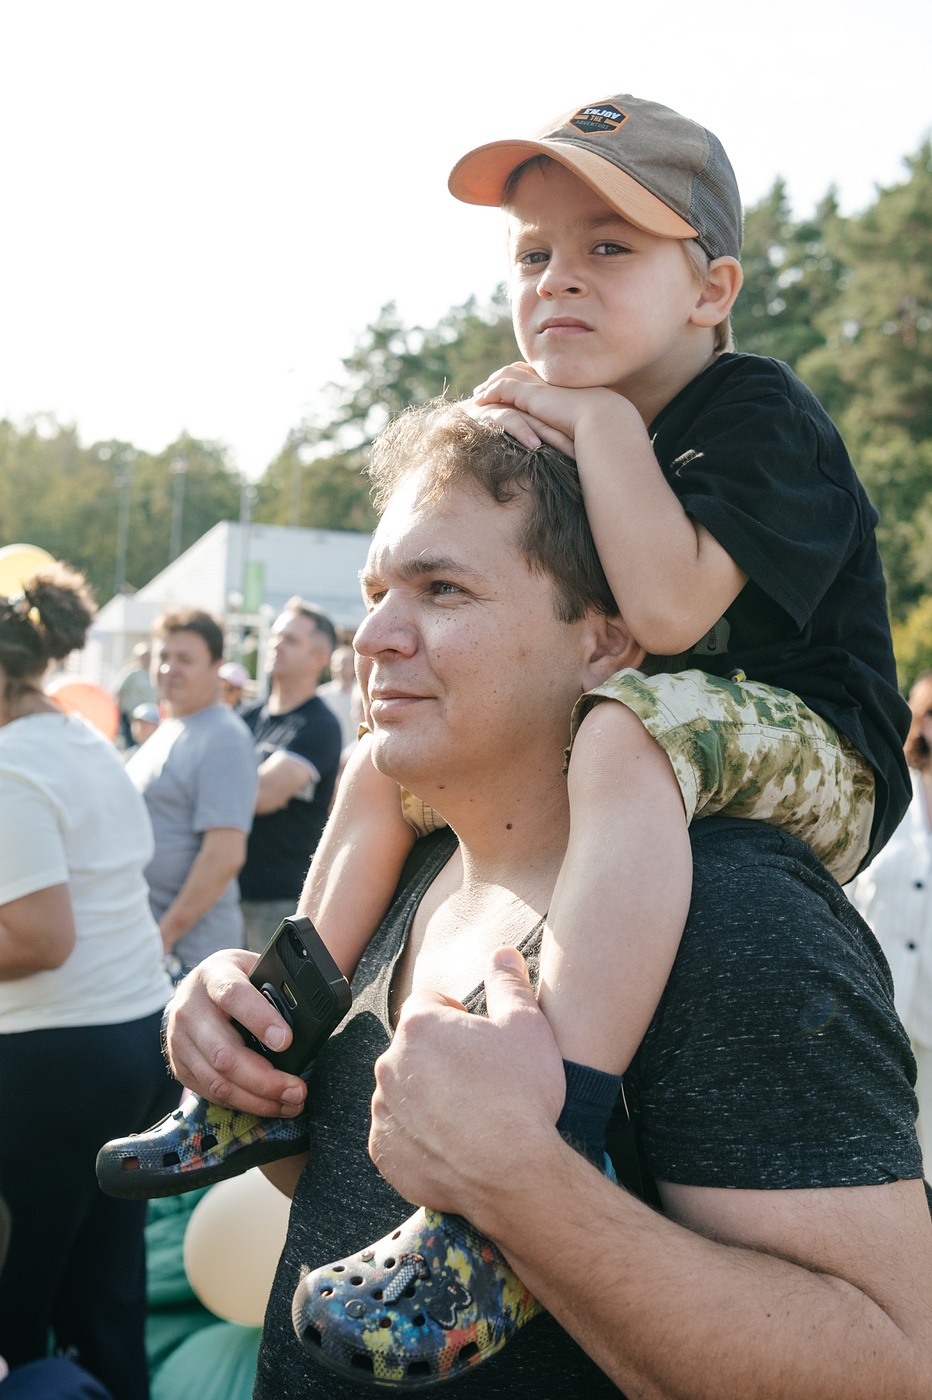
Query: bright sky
<point x="206" y="201"/>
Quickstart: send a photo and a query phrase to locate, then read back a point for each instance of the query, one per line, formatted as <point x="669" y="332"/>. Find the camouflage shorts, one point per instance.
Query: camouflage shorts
<point x="417" y="814"/>
<point x="755" y="751"/>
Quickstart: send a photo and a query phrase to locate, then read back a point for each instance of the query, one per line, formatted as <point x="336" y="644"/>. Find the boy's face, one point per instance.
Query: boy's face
<point x="597" y="302"/>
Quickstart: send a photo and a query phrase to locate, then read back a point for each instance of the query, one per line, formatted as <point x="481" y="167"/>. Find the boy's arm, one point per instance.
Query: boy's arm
<point x="671" y="578"/>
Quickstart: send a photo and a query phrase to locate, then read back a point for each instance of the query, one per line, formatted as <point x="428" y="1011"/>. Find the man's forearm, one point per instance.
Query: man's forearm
<point x="219" y="861"/>
<point x="671" y="1315"/>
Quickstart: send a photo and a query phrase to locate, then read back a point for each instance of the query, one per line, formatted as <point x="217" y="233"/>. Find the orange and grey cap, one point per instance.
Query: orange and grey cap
<point x="660" y="171"/>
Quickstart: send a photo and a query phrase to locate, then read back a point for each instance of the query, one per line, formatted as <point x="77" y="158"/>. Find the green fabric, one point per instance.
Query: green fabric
<point x="214" y="1363"/>
<point x="192" y="1354"/>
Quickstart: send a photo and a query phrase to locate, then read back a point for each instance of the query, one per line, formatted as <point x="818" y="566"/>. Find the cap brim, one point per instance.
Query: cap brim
<point x="480" y="178"/>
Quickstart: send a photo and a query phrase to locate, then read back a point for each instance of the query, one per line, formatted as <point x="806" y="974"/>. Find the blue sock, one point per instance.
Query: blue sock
<point x="590" y="1098"/>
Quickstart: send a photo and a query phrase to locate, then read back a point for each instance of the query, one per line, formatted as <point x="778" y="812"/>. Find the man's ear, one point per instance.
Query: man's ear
<point x="718" y="295"/>
<point x="612" y="648"/>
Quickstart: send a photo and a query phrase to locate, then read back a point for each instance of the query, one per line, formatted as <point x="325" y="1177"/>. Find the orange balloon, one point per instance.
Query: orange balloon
<point x="88" y="699"/>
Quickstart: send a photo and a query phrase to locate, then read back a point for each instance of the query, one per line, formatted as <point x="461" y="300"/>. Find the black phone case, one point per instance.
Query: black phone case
<point x="297" y="975"/>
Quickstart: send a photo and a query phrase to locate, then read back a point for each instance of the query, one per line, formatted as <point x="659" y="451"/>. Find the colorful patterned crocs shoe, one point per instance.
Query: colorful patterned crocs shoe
<point x="195" y="1146"/>
<point x="422" y="1306"/>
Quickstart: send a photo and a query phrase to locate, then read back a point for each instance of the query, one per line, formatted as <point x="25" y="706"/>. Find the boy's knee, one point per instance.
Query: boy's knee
<point x="609" y="739"/>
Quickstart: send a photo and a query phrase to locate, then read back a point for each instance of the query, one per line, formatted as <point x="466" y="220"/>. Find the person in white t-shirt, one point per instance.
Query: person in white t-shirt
<point x="82" y="988"/>
<point x="894" y="895"/>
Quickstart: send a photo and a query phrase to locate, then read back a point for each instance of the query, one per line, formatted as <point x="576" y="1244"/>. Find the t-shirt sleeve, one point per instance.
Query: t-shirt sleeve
<point x="770" y="478"/>
<point x="227" y="780"/>
<point x="318" y="742"/>
<point x="33" y="853"/>
<point x="775" y="1059"/>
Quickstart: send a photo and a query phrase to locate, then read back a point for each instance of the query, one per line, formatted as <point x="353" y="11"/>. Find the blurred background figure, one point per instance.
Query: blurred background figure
<point x="234" y="679"/>
<point x="134" y="688"/>
<point x="197" y="774"/>
<point x="297" y="746"/>
<point x="82" y="989"/>
<point x="340" y="693"/>
<point x="143" y="723"/>
<point x="894" y="895"/>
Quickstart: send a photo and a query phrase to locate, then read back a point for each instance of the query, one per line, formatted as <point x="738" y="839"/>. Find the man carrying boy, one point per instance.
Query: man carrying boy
<point x="790" y="1257"/>
<point x="737" y="541"/>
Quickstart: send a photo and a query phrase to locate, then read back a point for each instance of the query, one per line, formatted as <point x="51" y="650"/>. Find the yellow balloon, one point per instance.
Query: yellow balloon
<point x="232" y="1246"/>
<point x="17" y="563"/>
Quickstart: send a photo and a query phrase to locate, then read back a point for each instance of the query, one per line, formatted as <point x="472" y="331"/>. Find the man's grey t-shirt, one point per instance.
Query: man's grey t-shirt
<point x="196" y="773"/>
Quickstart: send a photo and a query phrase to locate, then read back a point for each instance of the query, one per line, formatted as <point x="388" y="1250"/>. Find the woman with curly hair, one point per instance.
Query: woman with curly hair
<point x="82" y="988"/>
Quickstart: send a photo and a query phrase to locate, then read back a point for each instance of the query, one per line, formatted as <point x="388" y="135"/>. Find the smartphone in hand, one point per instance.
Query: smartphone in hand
<point x="297" y="975"/>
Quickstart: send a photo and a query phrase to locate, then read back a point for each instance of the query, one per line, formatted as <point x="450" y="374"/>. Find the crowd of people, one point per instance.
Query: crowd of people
<point x="119" y="873"/>
<point x="635" y="1054"/>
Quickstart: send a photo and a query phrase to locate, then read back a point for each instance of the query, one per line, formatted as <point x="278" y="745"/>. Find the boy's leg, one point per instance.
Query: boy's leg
<point x="618" y="910"/>
<point x="349" y="887"/>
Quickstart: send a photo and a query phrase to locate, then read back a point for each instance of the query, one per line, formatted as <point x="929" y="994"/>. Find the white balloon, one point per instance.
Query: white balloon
<point x="232" y="1246"/>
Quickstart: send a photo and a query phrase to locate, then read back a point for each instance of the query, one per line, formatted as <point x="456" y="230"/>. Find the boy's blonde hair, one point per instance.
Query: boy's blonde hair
<point x="699" y="261"/>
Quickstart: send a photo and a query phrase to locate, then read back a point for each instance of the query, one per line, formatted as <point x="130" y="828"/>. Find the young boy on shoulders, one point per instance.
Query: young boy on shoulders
<point x="740" y="548"/>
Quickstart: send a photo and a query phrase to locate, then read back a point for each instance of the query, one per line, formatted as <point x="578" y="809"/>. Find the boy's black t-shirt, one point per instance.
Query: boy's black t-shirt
<point x="753" y="456"/>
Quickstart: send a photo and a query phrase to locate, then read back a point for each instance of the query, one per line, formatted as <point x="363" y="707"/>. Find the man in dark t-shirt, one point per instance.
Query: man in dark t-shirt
<point x="774" y="1238"/>
<point x="298" y="744"/>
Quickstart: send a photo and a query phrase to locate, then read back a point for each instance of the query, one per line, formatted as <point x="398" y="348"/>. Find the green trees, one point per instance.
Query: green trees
<point x="317" y="477"/>
<point x="67" y="498"/>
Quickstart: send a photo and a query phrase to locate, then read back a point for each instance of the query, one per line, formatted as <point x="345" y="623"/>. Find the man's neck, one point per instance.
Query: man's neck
<point x="512" y="832"/>
<point x="288" y="695"/>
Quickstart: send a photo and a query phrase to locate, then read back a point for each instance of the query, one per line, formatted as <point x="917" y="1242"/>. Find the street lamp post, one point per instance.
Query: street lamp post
<point x="179" y="471"/>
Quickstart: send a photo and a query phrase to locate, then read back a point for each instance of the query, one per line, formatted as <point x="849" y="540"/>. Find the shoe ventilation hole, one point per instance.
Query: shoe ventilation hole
<point x="311" y="1334"/>
<point x="208" y="1141"/>
<point x="326" y="1292"/>
<point x="409" y="1291"/>
<point x="468" y="1352"/>
<point x="389" y="1263"/>
<point x="170" y="1159"/>
<point x="396" y="1235"/>
<point x="130" y="1164"/>
<point x="419" y="1368"/>
<point x="356" y="1280"/>
<point x="362" y="1362"/>
<point x="386" y="1322"/>
<point x="377" y="1295"/>
<point x="339" y="1268"/>
<point x="418" y="1319"/>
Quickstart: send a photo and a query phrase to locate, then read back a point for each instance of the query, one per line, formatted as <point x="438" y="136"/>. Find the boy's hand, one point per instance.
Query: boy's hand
<point x="517" y="400"/>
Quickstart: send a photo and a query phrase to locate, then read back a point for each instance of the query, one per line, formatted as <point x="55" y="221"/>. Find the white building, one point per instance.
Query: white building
<point x="240" y="573"/>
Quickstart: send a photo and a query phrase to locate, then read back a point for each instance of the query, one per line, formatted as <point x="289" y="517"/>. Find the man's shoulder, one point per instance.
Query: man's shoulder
<point x="252" y="714"/>
<point x="215" y="727"/>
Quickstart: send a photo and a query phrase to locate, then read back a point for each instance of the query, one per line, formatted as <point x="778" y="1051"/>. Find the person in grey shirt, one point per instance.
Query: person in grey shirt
<point x="198" y="777"/>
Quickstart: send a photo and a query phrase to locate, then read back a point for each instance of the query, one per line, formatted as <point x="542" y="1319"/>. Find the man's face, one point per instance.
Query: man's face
<point x="187" y="674"/>
<point x="297" y="649"/>
<point x="461" y="652"/>
<point x="596" y="302"/>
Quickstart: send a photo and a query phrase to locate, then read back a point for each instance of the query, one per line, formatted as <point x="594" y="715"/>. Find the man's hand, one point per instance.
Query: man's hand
<point x="447" y="1152"/>
<point x="207" y="1053"/>
<point x="517" y="400"/>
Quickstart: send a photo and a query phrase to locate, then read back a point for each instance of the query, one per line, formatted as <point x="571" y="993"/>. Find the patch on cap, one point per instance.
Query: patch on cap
<point x="601" y="116"/>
